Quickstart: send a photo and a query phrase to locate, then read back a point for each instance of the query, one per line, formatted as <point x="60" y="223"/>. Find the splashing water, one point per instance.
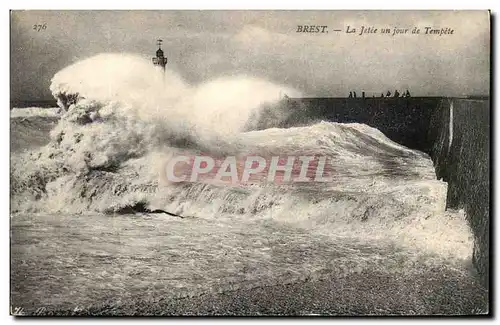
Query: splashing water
<point x="123" y="118"/>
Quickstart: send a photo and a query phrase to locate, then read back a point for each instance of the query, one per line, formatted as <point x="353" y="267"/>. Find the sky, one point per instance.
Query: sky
<point x="204" y="45"/>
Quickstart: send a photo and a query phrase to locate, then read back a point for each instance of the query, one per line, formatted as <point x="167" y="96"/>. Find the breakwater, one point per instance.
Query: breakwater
<point x="455" y="132"/>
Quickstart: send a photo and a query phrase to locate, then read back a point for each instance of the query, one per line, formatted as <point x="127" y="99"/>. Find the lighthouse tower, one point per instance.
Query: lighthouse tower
<point x="160" y="60"/>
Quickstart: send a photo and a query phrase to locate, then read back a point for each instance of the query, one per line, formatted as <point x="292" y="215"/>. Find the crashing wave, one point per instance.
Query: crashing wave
<point x="123" y="119"/>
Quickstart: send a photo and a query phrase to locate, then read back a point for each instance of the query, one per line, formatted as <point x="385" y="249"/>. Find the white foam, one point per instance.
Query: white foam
<point x="35" y="111"/>
<point x="107" y="150"/>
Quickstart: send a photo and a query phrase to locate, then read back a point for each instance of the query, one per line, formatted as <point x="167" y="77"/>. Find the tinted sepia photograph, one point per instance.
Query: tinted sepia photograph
<point x="250" y="162"/>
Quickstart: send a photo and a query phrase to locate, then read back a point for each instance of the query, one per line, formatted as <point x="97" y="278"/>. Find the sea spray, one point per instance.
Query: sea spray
<point x="119" y="109"/>
<point x="123" y="120"/>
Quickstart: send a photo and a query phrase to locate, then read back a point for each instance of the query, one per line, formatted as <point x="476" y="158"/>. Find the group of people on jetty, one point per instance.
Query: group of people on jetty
<point x="352" y="94"/>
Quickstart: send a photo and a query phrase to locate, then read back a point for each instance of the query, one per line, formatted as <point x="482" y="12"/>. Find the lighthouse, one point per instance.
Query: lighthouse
<point x="160" y="60"/>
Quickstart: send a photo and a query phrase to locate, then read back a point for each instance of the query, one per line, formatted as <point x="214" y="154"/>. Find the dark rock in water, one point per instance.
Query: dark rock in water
<point x="83" y="119"/>
<point x="66" y="100"/>
<point x="140" y="207"/>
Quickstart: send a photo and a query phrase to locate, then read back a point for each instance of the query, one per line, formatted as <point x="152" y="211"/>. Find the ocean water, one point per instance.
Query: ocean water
<point x="86" y="182"/>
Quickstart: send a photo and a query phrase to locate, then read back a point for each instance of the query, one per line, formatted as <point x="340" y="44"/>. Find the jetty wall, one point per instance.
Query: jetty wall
<point x="455" y="132"/>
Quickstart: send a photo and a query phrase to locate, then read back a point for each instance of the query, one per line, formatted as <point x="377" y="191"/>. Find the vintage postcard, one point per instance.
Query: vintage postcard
<point x="249" y="163"/>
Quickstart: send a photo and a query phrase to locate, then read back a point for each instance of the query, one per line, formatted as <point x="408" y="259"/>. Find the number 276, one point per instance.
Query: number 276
<point x="39" y="27"/>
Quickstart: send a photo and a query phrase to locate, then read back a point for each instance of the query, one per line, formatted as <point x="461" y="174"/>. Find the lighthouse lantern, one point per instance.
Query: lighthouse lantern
<point x="160" y="60"/>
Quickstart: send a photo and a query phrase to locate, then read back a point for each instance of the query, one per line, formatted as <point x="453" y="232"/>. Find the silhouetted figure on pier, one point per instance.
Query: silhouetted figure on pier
<point x="388" y="94"/>
<point x="363" y="94"/>
<point x="350" y="94"/>
<point x="396" y="94"/>
<point x="382" y="95"/>
<point x="407" y="93"/>
<point x="355" y="95"/>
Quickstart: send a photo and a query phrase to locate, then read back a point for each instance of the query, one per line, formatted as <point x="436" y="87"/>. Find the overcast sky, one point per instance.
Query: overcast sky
<point x="202" y="45"/>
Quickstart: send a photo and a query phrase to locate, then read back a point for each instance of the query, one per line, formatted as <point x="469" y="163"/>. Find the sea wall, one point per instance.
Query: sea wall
<point x="454" y="132"/>
<point x="404" y="120"/>
<point x="459" y="131"/>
